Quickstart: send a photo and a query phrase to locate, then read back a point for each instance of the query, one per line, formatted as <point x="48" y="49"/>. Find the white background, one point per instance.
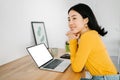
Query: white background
<point x="16" y="31"/>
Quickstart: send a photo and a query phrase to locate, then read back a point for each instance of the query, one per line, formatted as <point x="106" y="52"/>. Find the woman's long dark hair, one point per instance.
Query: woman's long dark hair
<point x="86" y="12"/>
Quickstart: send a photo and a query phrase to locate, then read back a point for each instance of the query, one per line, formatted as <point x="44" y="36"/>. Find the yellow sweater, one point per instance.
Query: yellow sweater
<point x="91" y="53"/>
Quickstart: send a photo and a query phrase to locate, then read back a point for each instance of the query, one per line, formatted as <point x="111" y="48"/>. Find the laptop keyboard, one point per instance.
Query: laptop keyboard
<point x="53" y="64"/>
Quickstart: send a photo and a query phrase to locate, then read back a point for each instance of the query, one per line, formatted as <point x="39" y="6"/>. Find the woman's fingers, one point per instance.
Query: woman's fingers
<point x="71" y="35"/>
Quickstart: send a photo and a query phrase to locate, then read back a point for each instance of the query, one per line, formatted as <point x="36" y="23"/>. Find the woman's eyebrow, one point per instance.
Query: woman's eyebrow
<point x="72" y="16"/>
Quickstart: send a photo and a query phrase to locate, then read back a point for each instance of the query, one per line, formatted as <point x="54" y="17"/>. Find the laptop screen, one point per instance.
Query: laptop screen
<point x="40" y="54"/>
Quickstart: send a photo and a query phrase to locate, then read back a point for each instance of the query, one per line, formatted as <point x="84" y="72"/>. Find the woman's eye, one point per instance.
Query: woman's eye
<point x="74" y="18"/>
<point x="71" y="19"/>
<point x="68" y="19"/>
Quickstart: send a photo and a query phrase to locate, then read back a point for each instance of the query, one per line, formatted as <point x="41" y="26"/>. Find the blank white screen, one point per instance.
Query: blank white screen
<point x="40" y="54"/>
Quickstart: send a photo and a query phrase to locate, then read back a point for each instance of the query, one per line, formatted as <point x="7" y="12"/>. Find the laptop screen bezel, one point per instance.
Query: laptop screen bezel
<point x="34" y="59"/>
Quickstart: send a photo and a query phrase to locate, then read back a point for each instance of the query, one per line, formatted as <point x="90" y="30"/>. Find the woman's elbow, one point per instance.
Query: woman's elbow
<point x="76" y="69"/>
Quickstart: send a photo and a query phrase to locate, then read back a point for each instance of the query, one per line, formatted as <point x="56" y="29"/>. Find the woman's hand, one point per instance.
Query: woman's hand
<point x="72" y="35"/>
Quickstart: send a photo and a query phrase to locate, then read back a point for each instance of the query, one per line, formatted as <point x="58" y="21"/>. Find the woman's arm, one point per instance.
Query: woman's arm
<point x="80" y="53"/>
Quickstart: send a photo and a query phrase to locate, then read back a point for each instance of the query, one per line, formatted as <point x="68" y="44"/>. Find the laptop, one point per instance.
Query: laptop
<point x="45" y="60"/>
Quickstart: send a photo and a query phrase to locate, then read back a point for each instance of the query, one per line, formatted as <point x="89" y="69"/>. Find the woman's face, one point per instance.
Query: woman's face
<point x="76" y="22"/>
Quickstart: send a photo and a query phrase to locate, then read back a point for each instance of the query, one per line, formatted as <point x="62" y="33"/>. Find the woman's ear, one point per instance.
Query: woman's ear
<point x="86" y="20"/>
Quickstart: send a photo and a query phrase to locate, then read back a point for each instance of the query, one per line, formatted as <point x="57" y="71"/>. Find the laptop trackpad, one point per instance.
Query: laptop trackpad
<point x="63" y="66"/>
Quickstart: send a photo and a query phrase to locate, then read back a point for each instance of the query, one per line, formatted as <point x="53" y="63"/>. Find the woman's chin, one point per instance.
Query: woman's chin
<point x="76" y="32"/>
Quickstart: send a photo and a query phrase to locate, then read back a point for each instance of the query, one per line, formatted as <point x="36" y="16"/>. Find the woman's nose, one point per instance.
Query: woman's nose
<point x="70" y="23"/>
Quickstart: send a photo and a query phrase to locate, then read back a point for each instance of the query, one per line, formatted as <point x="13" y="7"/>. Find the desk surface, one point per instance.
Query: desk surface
<point x="26" y="69"/>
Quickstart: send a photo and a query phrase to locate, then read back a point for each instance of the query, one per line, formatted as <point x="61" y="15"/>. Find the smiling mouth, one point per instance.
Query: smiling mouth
<point x="72" y="29"/>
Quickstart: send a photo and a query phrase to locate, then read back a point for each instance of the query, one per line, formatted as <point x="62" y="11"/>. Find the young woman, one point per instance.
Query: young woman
<point x="86" y="47"/>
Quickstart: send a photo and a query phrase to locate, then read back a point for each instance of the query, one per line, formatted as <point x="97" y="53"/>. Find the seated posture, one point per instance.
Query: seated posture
<point x="87" y="51"/>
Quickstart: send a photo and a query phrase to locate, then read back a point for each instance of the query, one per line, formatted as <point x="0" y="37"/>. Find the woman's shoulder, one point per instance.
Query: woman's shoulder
<point x="90" y="34"/>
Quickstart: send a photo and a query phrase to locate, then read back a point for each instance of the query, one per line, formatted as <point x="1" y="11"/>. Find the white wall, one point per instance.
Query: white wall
<point x="109" y="17"/>
<point x="16" y="15"/>
<point x="15" y="25"/>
